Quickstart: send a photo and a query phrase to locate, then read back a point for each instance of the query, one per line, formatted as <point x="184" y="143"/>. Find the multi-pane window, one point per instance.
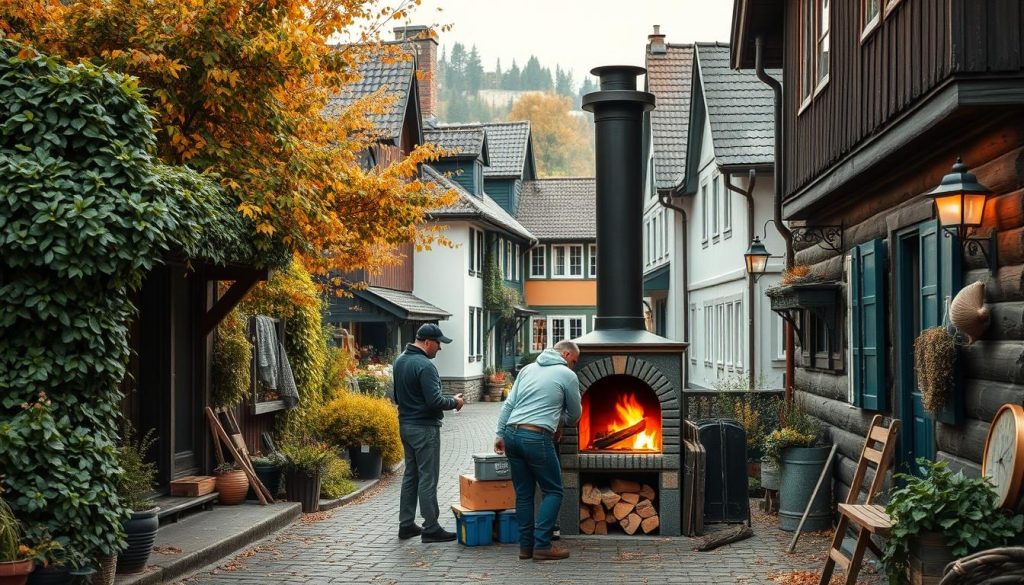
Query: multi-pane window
<point x="539" y="337"/>
<point x="576" y="261"/>
<point x="575" y="327"/>
<point x="557" y="330"/>
<point x="593" y="261"/>
<point x="471" y="345"/>
<point x="815" y="35"/>
<point x="537" y="263"/>
<point x="558" y="261"/>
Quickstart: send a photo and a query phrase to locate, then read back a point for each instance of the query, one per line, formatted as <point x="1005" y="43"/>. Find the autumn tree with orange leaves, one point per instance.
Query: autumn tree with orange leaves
<point x="562" y="142"/>
<point x="239" y="88"/>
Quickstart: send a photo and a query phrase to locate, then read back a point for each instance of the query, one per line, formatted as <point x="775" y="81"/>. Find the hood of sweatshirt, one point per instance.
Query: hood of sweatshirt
<point x="550" y="357"/>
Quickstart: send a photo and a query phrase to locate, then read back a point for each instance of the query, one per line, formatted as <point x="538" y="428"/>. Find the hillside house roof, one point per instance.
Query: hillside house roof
<point x="669" y="79"/>
<point x="397" y="77"/>
<point x="469" y="206"/>
<point x="562" y="208"/>
<point x="510" y="150"/>
<point x="464" y="141"/>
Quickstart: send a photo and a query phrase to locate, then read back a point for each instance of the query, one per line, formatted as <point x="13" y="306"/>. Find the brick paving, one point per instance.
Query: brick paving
<point x="358" y="543"/>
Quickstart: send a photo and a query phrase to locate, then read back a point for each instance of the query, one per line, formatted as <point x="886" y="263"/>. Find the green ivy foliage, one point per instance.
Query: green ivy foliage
<point x="85" y="211"/>
<point x="231" y="367"/>
<point x="497" y="297"/>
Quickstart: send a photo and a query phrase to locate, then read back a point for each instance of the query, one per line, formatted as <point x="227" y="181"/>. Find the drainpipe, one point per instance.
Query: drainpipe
<point x="777" y="170"/>
<point x="748" y="194"/>
<point x="665" y="200"/>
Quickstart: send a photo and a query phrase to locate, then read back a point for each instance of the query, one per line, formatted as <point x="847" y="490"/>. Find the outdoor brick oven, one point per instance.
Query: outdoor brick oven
<point x="630" y="379"/>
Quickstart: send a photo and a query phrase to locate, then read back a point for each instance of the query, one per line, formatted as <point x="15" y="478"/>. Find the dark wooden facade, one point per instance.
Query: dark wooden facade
<point x="936" y="79"/>
<point x="938" y="53"/>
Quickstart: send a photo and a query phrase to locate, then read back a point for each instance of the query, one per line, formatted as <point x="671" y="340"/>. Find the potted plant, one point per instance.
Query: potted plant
<point x="305" y="460"/>
<point x="496" y="379"/>
<point x="50" y="561"/>
<point x="938" y="516"/>
<point x="268" y="470"/>
<point x="134" y="487"/>
<point x="15" y="563"/>
<point x="367" y="427"/>
<point x="796" y="450"/>
<point x="231" y="484"/>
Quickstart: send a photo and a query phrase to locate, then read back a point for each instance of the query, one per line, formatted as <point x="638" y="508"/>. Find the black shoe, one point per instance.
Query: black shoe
<point x="438" y="535"/>
<point x="407" y="532"/>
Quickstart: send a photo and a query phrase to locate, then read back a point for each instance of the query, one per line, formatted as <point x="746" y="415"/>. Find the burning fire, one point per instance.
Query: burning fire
<point x="642" y="428"/>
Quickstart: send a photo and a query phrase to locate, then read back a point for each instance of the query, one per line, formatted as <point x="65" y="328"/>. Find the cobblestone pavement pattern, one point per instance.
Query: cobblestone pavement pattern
<point x="358" y="543"/>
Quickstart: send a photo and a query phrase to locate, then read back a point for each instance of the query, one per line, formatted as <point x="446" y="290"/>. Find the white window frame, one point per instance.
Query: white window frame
<point x="715" y="224"/>
<point x="664" y="232"/>
<point x="533" y="336"/>
<point x="517" y="267"/>
<point x="823" y="44"/>
<point x="720" y="328"/>
<point x="567" y="326"/>
<point x="471" y="338"/>
<point x="481" y="253"/>
<point x="472" y="251"/>
<point x="543" y="261"/>
<point x="509" y="260"/>
<point x="709" y="334"/>
<point x="592" y="261"/>
<point x="869" y="24"/>
<point x="555" y="250"/>
<point x="704" y="211"/>
<point x="692" y="326"/>
<point x="583" y="266"/>
<point x="726" y="207"/>
<point x="479" y="334"/>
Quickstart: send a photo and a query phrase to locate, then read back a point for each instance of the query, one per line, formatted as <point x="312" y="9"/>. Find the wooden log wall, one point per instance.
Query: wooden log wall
<point x="994" y="366"/>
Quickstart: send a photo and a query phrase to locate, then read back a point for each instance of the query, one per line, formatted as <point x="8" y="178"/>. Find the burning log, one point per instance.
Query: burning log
<point x="607" y="440"/>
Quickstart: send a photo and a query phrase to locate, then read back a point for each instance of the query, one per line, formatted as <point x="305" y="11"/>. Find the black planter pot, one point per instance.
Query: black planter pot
<point x="270" y="476"/>
<point x="49" y="576"/>
<point x="140" y="531"/>
<point x="303" y="488"/>
<point x="82" y="576"/>
<point x="366" y="465"/>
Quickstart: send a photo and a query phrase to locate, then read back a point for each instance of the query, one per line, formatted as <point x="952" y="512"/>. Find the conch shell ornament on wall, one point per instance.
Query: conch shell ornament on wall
<point x="968" y="313"/>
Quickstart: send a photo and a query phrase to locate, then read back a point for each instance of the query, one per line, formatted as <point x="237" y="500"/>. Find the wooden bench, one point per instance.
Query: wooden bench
<point x="868" y="517"/>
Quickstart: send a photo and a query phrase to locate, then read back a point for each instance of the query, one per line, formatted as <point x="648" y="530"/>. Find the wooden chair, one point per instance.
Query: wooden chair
<point x="869" y="518"/>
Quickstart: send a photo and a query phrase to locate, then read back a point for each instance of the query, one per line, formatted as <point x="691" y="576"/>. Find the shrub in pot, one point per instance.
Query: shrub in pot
<point x="15" y="562"/>
<point x="938" y="516"/>
<point x="367" y="427"/>
<point x="305" y="461"/>
<point x="232" y="484"/>
<point x="337" y="479"/>
<point x="268" y="470"/>
<point x="796" y="450"/>
<point x="134" y="488"/>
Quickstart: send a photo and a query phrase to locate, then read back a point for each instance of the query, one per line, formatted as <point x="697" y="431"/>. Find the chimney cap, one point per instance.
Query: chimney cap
<point x="416" y="32"/>
<point x="656" y="42"/>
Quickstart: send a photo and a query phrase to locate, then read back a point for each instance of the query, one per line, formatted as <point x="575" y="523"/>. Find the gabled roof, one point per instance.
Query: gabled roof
<point x="467" y="141"/>
<point x="403" y="305"/>
<point x="397" y="77"/>
<point x="669" y="79"/>
<point x="469" y="206"/>
<point x="738" y="106"/>
<point x="562" y="208"/>
<point x="510" y="148"/>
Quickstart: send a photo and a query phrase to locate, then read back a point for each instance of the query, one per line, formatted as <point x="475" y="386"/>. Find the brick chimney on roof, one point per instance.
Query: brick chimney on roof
<point x="422" y="39"/>
<point x="656" y="42"/>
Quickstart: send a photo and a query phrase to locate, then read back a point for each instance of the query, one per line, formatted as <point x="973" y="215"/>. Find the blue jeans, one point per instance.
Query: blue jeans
<point x="422" y="444"/>
<point x="534" y="462"/>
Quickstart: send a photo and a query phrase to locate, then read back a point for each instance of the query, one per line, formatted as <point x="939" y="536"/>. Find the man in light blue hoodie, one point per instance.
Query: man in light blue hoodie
<point x="544" y="397"/>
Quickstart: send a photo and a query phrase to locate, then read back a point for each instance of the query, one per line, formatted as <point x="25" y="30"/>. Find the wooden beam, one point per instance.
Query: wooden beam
<point x="224" y="304"/>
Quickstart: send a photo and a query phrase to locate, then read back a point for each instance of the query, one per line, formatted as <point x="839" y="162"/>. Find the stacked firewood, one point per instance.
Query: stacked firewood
<point x="625" y="504"/>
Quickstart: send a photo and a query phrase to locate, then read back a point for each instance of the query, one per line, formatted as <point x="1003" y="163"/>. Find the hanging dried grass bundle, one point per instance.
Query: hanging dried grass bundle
<point x="934" y="357"/>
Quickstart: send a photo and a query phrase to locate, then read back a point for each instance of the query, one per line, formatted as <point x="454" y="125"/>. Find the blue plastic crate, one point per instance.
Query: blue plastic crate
<point x="474" y="528"/>
<point x="508" y="527"/>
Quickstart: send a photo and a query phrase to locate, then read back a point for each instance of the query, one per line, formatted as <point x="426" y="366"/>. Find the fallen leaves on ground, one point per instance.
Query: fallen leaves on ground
<point x="167" y="550"/>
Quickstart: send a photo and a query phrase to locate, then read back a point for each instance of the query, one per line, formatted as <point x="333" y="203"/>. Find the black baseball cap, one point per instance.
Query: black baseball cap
<point x="431" y="331"/>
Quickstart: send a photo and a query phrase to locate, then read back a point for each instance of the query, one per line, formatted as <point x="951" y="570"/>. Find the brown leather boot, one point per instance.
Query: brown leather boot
<point x="525" y="553"/>
<point x="550" y="554"/>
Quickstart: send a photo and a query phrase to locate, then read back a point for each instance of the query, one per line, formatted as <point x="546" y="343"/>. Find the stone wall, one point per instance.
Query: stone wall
<point x="472" y="388"/>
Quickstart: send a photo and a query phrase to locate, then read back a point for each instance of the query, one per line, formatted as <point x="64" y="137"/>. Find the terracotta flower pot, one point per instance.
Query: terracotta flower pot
<point x="231" y="487"/>
<point x="15" y="572"/>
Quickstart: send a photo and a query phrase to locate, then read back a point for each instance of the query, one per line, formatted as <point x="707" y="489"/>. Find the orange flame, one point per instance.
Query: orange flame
<point x="630" y="412"/>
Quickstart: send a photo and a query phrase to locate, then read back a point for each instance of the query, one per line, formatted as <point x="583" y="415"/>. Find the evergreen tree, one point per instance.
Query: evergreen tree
<point x="563" y="82"/>
<point x="474" y="72"/>
<point x="512" y="79"/>
<point x="456" y="70"/>
<point x="533" y="75"/>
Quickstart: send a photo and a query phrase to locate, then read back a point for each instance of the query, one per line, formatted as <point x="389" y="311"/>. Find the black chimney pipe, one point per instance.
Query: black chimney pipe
<point x="618" y="119"/>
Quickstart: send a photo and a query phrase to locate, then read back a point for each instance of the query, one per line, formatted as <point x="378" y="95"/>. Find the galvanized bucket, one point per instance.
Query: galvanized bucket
<point x="801" y="467"/>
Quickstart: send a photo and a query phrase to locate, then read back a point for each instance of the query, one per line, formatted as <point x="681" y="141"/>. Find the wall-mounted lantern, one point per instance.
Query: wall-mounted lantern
<point x="960" y="204"/>
<point x="756" y="258"/>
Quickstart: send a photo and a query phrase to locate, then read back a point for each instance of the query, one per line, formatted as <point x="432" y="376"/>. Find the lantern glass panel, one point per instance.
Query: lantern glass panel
<point x="949" y="208"/>
<point x="974" y="208"/>
<point x="756" y="263"/>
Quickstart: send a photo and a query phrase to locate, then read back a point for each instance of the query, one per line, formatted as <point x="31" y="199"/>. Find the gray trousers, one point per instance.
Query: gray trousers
<point x="422" y="444"/>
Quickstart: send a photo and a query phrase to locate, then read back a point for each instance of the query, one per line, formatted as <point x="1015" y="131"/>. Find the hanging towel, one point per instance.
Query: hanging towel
<point x="272" y="366"/>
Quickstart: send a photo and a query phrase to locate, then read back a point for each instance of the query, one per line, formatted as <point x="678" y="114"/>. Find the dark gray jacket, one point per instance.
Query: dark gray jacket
<point x="418" y="389"/>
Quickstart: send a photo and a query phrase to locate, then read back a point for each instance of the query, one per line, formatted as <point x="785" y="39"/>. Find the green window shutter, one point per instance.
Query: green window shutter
<point x="868" y="313"/>
<point x="948" y="270"/>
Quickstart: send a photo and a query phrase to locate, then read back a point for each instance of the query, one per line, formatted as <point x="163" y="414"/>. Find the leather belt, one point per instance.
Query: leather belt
<point x="528" y="427"/>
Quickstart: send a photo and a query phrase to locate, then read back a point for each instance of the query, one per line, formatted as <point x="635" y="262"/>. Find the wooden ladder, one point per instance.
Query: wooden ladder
<point x="869" y="518"/>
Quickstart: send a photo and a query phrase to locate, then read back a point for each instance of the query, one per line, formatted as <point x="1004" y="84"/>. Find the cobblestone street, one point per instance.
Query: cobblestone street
<point x="358" y="543"/>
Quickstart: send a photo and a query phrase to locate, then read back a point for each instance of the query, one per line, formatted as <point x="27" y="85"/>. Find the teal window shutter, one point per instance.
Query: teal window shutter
<point x="867" y="278"/>
<point x="949" y="271"/>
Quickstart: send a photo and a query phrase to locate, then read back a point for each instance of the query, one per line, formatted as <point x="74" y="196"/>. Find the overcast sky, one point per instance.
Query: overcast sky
<point x="576" y="34"/>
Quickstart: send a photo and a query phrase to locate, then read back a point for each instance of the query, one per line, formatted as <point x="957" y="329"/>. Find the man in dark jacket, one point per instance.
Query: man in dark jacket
<point x="421" y="407"/>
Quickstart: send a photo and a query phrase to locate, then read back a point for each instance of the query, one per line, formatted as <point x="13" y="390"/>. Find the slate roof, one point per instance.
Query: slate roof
<point x="472" y="207"/>
<point x="507" y="144"/>
<point x="415" y="308"/>
<point x="739" y="107"/>
<point x="467" y="140"/>
<point x="669" y="79"/>
<point x="562" y="208"/>
<point x="396" y="76"/>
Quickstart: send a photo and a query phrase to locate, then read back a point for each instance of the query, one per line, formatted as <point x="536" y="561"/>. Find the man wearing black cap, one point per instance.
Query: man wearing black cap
<point x="421" y="406"/>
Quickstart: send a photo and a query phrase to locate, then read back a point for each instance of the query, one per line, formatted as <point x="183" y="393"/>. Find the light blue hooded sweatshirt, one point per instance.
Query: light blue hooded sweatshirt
<point x="542" y="392"/>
